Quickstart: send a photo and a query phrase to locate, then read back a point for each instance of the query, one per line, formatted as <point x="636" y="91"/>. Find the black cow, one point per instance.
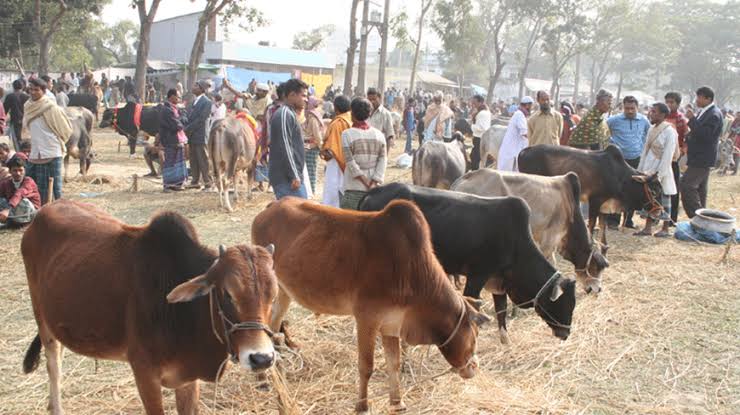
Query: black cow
<point x="608" y="183"/>
<point x="122" y="119"/>
<point x="464" y="127"/>
<point x="88" y="101"/>
<point x="489" y="241"/>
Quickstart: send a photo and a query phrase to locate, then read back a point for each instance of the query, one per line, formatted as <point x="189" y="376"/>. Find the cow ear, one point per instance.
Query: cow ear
<point x="640" y="178"/>
<point x="270" y="249"/>
<point x="190" y="290"/>
<point x="476" y="303"/>
<point x="557" y="291"/>
<point x="480" y="319"/>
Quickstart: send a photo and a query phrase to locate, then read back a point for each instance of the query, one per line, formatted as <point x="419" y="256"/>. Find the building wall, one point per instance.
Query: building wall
<point x="172" y="39"/>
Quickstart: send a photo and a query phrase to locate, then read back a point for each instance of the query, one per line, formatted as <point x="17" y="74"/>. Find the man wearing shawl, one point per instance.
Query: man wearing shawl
<point x="331" y="151"/>
<point x="50" y="128"/>
<point x="661" y="147"/>
<point x="438" y="119"/>
<point x="313" y="132"/>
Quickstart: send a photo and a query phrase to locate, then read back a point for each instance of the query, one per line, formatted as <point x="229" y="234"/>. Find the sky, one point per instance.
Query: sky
<point x="286" y="17"/>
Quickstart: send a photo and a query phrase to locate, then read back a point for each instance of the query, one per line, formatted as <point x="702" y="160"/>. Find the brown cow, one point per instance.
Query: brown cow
<point x="232" y="145"/>
<point x="102" y="288"/>
<point x="378" y="267"/>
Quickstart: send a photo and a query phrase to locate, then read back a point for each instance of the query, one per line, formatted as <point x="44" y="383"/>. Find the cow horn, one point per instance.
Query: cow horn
<point x="557" y="291"/>
<point x="640" y="178"/>
<point x="270" y="249"/>
<point x="221" y="250"/>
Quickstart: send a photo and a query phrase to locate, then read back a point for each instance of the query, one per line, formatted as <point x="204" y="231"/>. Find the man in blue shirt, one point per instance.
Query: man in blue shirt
<point x="628" y="132"/>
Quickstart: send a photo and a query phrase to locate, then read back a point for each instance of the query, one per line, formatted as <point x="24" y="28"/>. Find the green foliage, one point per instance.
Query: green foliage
<point x="453" y="22"/>
<point x="238" y="13"/>
<point x="313" y="39"/>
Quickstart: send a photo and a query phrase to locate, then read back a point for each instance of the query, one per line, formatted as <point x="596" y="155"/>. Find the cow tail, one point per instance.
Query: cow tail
<point x="33" y="355"/>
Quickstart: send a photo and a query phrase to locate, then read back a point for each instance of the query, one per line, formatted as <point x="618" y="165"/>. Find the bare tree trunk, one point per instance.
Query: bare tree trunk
<point x="619" y="86"/>
<point x="533" y="37"/>
<point x="577" y="79"/>
<point x="350" y="65"/>
<point x="142" y="51"/>
<point x="364" y="31"/>
<point x="425" y="6"/>
<point x="383" y="48"/>
<point x="44" y="37"/>
<point x="593" y="81"/>
<point x="198" y="48"/>
<point x="44" y="46"/>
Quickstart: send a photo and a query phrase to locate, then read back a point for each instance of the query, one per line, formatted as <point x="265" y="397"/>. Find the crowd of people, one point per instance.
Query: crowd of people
<point x="295" y="129"/>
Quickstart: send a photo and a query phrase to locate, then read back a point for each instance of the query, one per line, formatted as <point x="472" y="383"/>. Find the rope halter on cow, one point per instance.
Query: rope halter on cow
<point x="457" y="326"/>
<point x="654" y="207"/>
<point x="229" y="327"/>
<point x="535" y="302"/>
<point x="586" y="267"/>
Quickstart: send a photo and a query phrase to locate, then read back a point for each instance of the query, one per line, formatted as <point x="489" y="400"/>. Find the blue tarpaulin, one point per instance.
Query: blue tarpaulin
<point x="240" y="77"/>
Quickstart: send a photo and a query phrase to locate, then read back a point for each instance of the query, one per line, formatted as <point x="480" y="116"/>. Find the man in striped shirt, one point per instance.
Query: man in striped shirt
<point x="364" y="149"/>
<point x="287" y="156"/>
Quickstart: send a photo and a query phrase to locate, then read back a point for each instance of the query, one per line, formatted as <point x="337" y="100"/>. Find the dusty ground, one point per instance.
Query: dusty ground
<point x="662" y="338"/>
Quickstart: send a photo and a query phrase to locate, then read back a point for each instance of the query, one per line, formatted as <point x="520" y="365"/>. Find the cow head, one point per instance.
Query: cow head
<point x="642" y="192"/>
<point x="590" y="275"/>
<point x="459" y="341"/>
<point x="555" y="303"/>
<point x="242" y="286"/>
<point x="107" y="119"/>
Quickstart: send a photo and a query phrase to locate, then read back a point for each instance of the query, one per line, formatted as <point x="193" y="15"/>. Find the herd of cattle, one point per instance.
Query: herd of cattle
<point x="176" y="310"/>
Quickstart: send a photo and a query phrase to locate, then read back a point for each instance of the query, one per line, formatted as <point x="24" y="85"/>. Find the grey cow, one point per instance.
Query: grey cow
<point x="438" y="164"/>
<point x="79" y="144"/>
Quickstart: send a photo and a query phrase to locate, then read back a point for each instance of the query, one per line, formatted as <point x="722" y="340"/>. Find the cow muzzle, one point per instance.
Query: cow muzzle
<point x="560" y="332"/>
<point x="257" y="360"/>
<point x="470" y="369"/>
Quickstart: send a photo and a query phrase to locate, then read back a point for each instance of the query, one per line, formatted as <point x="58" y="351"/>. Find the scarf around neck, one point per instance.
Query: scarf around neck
<point x="362" y="125"/>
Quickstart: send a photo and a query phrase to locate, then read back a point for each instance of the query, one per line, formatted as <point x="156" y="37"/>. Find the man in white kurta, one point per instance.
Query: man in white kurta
<point x="515" y="139"/>
<point x="657" y="156"/>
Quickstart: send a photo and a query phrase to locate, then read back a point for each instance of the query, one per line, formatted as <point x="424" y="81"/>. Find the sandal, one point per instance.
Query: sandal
<point x="662" y="234"/>
<point x="642" y="233"/>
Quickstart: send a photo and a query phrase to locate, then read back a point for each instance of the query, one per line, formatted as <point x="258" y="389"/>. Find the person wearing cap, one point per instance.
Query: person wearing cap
<point x="660" y="149"/>
<point x="19" y="195"/>
<point x="546" y="125"/>
<point x="592" y="132"/>
<point x="515" y="139"/>
<point x="259" y="102"/>
<point x="196" y="129"/>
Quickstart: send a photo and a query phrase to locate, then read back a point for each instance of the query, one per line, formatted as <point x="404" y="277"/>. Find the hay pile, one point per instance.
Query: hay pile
<point x="661" y="339"/>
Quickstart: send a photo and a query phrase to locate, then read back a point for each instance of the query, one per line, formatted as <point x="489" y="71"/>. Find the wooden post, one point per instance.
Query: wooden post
<point x="50" y="195"/>
<point x="135" y="186"/>
<point x="119" y="146"/>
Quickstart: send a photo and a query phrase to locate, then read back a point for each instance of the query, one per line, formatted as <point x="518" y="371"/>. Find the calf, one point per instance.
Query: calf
<point x="438" y="164"/>
<point x="555" y="219"/>
<point x="153" y="296"/>
<point x="79" y="144"/>
<point x="608" y="183"/>
<point x="489" y="240"/>
<point x="378" y="267"/>
<point x="232" y="145"/>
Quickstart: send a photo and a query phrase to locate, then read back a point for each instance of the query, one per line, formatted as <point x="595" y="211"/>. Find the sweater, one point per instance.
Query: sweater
<point x="628" y="134"/>
<point x="27" y="190"/>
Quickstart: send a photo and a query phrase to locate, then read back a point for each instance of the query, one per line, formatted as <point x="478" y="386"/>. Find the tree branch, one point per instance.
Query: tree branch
<point x="54" y="25"/>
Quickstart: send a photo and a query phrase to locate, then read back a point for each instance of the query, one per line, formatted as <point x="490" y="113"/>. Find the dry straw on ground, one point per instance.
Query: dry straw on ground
<point x="661" y="339"/>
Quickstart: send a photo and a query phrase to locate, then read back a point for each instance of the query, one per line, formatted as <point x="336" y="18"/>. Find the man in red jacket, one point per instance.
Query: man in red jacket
<point x="19" y="196"/>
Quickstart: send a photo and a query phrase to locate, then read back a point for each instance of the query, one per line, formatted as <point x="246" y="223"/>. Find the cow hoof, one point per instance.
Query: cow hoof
<point x="398" y="408"/>
<point x="362" y="407"/>
<point x="503" y="337"/>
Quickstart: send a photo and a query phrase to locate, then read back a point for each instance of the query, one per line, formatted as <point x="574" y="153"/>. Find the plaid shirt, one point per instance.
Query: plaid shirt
<point x="591" y="130"/>
<point x="682" y="126"/>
